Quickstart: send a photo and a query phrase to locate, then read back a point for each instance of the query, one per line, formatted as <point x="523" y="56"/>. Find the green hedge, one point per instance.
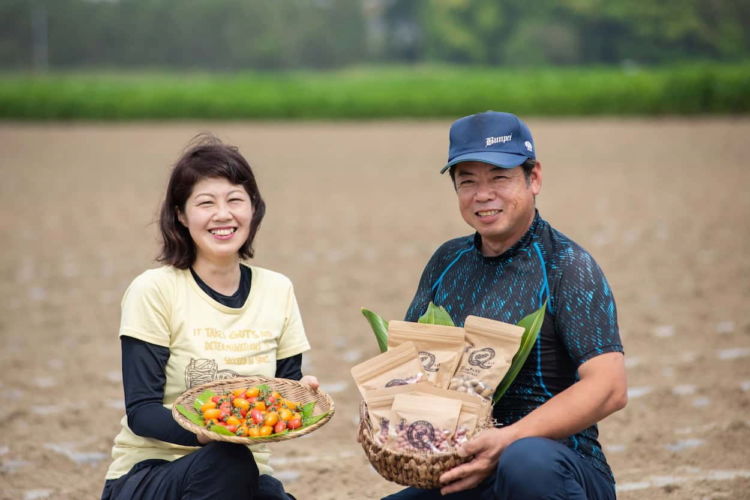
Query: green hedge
<point x="369" y="93"/>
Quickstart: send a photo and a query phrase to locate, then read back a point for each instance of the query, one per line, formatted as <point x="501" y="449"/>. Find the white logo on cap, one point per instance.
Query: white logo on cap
<point x="500" y="139"/>
<point x="528" y="146"/>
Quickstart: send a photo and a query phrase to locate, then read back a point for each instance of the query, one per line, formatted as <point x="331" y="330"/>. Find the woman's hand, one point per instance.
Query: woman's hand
<point x="311" y="382"/>
<point x="203" y="440"/>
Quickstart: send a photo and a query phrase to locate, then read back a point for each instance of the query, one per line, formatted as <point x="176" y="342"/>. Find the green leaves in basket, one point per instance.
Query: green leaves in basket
<point x="308" y="421"/>
<point x="436" y="315"/>
<point x="531" y="324"/>
<point x="220" y="429"/>
<point x="307" y="410"/>
<point x="192" y="416"/>
<point x="379" y="327"/>
<point x="202" y="399"/>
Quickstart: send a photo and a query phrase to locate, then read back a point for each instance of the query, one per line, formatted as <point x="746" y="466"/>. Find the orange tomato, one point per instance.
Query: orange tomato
<point x="291" y="404"/>
<point x="211" y="414"/>
<point x="271" y="419"/>
<point x="294" y="423"/>
<point x="266" y="430"/>
<point x="233" y="420"/>
<point x="253" y="431"/>
<point x="260" y="405"/>
<point x="241" y="403"/>
<point x="252" y="392"/>
<point x="239" y="392"/>
<point x="285" y="414"/>
<point x="242" y="430"/>
<point x="209" y="405"/>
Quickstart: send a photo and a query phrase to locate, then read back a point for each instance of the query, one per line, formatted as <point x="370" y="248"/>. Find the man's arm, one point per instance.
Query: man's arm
<point x="601" y="391"/>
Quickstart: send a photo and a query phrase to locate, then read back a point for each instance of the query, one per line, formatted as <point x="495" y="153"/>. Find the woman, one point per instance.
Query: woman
<point x="202" y="316"/>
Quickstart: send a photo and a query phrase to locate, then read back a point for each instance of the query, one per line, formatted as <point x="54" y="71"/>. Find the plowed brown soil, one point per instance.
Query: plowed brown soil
<point x="354" y="212"/>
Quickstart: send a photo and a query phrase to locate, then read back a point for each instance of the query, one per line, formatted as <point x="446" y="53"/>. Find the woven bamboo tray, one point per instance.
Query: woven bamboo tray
<point x="421" y="470"/>
<point x="290" y="389"/>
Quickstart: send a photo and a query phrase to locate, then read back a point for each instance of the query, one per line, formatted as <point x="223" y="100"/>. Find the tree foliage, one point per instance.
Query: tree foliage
<point x="283" y="34"/>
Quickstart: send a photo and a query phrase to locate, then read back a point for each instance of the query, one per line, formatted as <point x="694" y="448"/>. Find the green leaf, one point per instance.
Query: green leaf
<point x="531" y="324"/>
<point x="202" y="398"/>
<point x="263" y="391"/>
<point x="307" y="421"/>
<point x="307" y="410"/>
<point x="379" y="327"/>
<point x="220" y="429"/>
<point x="436" y="315"/>
<point x="192" y="416"/>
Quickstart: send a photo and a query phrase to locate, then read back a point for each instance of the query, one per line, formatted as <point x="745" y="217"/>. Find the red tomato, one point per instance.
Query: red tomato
<point x="294" y="423"/>
<point x="257" y="416"/>
<point x="215" y="399"/>
<point x="279" y="427"/>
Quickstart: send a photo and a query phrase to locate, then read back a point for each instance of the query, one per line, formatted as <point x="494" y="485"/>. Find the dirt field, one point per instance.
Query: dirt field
<point x="354" y="212"/>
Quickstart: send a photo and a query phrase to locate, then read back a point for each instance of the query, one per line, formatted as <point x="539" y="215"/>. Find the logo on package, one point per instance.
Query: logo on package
<point x="482" y="358"/>
<point x="421" y="435"/>
<point x="501" y="139"/>
<point x="429" y="363"/>
<point x="396" y="381"/>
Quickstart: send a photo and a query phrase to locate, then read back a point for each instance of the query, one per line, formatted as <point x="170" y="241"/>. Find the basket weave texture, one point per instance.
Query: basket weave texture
<point x="289" y="389"/>
<point x="421" y="470"/>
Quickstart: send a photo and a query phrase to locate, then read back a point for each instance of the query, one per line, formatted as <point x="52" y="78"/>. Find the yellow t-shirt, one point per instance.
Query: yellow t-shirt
<point x="207" y="341"/>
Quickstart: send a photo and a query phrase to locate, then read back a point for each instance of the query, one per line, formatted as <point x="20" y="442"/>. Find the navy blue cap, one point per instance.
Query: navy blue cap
<point x="500" y="139"/>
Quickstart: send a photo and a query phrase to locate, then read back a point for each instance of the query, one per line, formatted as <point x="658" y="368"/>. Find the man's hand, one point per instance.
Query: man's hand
<point x="486" y="448"/>
<point x="310" y="381"/>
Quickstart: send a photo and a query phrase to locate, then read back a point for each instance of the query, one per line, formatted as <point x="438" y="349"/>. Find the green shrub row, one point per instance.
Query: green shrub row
<point x="371" y="93"/>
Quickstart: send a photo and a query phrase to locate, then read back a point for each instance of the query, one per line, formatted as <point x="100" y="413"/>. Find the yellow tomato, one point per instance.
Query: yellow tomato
<point x="209" y="405"/>
<point x="266" y="430"/>
<point x="291" y="404"/>
<point x="271" y="419"/>
<point x="252" y="392"/>
<point x="233" y="420"/>
<point x="241" y="403"/>
<point x="239" y="392"/>
<point x="285" y="414"/>
<point x="260" y="405"/>
<point x="253" y="432"/>
<point x="211" y="414"/>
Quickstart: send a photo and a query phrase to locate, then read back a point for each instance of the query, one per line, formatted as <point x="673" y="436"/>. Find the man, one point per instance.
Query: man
<point x="514" y="263"/>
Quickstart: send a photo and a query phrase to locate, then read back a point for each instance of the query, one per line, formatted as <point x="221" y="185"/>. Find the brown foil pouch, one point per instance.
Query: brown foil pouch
<point x="397" y="366"/>
<point x="490" y="347"/>
<point x="439" y="347"/>
<point x="423" y="423"/>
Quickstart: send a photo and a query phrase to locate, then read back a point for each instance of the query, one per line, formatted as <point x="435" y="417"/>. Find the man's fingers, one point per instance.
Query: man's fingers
<point x="461" y="471"/>
<point x="462" y="484"/>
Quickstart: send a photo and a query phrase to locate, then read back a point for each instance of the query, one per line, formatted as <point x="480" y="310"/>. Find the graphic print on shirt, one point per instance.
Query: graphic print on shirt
<point x="202" y="371"/>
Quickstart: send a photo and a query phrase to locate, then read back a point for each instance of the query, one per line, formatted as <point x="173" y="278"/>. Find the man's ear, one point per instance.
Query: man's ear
<point x="535" y="179"/>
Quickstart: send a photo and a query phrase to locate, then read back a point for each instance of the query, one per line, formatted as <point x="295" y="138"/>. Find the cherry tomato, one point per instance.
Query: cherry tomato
<point x="252" y="392"/>
<point x="291" y="404"/>
<point x="266" y="430"/>
<point x="242" y="430"/>
<point x="294" y="423"/>
<point x="232" y="420"/>
<point x="239" y="392"/>
<point x="257" y="416"/>
<point x="241" y="403"/>
<point x="243" y="412"/>
<point x="271" y="419"/>
<point x="215" y="399"/>
<point x="285" y="414"/>
<point x="253" y="431"/>
<point x="212" y="414"/>
<point x="260" y="405"/>
<point x="208" y="405"/>
<point x="279" y="427"/>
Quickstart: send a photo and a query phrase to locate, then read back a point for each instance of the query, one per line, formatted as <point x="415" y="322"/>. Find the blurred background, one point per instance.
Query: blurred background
<point x="370" y="58"/>
<point x="639" y="111"/>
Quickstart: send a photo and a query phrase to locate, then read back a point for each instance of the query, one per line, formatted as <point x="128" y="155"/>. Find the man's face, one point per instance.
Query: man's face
<point x="497" y="202"/>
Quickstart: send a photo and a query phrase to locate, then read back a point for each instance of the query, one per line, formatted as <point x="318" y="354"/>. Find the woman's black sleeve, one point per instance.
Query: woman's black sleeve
<point x="290" y="367"/>
<point x="143" y="378"/>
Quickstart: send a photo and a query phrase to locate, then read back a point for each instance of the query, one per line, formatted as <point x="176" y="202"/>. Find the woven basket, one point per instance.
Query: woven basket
<point x="421" y="470"/>
<point x="290" y="389"/>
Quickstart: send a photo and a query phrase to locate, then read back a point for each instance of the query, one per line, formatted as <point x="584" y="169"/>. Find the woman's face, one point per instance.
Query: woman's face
<point x="218" y="215"/>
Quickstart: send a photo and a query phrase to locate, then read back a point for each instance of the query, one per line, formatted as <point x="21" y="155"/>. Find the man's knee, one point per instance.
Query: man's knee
<point x="527" y="468"/>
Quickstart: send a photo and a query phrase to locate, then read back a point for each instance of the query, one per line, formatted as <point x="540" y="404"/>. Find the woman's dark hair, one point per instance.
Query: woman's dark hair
<point x="206" y="157"/>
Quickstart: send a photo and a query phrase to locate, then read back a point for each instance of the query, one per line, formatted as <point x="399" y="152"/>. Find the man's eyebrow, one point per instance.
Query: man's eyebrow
<point x="461" y="173"/>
